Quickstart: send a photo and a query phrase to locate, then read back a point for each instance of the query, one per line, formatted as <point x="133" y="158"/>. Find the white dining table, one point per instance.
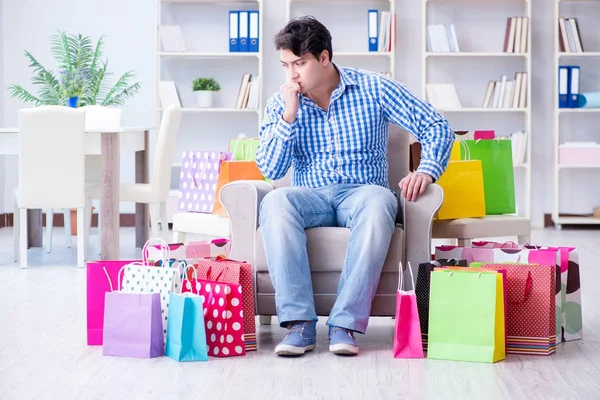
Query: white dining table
<point x="109" y="144"/>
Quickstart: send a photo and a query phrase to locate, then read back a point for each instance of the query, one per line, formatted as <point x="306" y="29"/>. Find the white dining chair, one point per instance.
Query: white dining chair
<point x="156" y="192"/>
<point x="51" y="169"/>
<point x="96" y="117"/>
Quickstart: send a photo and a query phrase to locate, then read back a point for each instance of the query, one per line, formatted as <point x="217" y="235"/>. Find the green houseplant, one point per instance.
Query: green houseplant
<point x="205" y="88"/>
<point x="82" y="77"/>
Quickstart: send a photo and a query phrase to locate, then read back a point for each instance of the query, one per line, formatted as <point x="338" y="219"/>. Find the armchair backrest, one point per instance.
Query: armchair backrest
<point x="398" y="159"/>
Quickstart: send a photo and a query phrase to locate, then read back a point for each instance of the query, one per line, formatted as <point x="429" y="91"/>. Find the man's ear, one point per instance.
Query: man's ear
<point x="324" y="57"/>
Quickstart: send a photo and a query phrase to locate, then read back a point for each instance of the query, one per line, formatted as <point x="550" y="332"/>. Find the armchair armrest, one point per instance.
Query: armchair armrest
<point x="241" y="200"/>
<point x="418" y="222"/>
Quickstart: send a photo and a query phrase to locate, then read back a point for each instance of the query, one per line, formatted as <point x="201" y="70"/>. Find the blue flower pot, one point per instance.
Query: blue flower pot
<point x="72" y="102"/>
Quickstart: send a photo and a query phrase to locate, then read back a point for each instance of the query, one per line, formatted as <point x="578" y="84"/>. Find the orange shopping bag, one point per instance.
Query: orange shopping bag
<point x="234" y="171"/>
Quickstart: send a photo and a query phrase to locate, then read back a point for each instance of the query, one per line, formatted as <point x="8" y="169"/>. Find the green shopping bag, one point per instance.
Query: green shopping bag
<point x="466" y="316"/>
<point x="243" y="148"/>
<point x="498" y="172"/>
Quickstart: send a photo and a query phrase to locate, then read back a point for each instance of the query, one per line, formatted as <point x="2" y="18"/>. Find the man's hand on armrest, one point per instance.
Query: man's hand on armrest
<point x="414" y="184"/>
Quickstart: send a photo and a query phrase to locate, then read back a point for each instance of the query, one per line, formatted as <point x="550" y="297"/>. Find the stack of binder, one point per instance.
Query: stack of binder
<point x="243" y="31"/>
<point x="568" y="86"/>
<point x="381" y="31"/>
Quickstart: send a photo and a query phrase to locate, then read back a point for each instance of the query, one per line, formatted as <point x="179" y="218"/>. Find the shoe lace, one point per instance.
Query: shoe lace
<point x="295" y="327"/>
<point x="348" y="331"/>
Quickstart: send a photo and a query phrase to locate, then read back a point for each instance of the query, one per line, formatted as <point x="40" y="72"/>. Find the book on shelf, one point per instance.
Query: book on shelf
<point x="168" y="94"/>
<point x="519" y="147"/>
<point x="248" y="94"/>
<point x="516" y="35"/>
<point x="442" y="96"/>
<point x="442" y="38"/>
<point x="506" y="93"/>
<point x="171" y="38"/>
<point x="569" y="38"/>
<point x="382" y="32"/>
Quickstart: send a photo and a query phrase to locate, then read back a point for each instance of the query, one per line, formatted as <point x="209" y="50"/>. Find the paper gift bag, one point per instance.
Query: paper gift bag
<point x="234" y="171"/>
<point x="243" y="148"/>
<point x="498" y="173"/>
<point x="422" y="291"/>
<point x="462" y="183"/>
<point x="229" y="271"/>
<point x="549" y="256"/>
<point x="186" y="334"/>
<point x="198" y="179"/>
<point x="102" y="277"/>
<point x="531" y="316"/>
<point x="182" y="251"/>
<point x="223" y="316"/>
<point x="460" y="328"/>
<point x="407" y="329"/>
<point x="132" y="325"/>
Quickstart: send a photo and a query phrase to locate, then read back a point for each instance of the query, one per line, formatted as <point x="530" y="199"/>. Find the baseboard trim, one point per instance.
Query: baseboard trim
<point x="125" y="220"/>
<point x="549" y="223"/>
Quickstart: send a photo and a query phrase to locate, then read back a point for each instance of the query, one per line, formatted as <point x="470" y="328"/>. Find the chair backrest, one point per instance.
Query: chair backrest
<point x="160" y="180"/>
<point x="397" y="155"/>
<point x="51" y="157"/>
<point x="102" y="117"/>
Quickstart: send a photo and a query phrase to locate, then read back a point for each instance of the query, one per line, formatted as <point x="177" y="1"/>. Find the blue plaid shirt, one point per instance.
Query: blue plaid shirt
<point x="348" y="143"/>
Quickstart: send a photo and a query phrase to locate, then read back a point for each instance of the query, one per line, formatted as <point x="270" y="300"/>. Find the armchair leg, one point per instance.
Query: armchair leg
<point x="264" y="319"/>
<point x="464" y="242"/>
<point x="49" y="225"/>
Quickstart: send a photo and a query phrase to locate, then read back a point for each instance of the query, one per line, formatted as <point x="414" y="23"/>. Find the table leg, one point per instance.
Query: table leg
<point x="109" y="197"/>
<point x="141" y="209"/>
<point x="34" y="228"/>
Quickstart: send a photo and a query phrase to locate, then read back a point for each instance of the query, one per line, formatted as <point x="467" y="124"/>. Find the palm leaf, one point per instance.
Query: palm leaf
<point x="61" y="50"/>
<point x="23" y="95"/>
<point x="122" y="84"/>
<point x="122" y="95"/>
<point x="45" y="77"/>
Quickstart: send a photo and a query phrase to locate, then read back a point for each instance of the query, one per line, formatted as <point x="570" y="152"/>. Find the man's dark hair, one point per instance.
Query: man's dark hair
<point x="304" y="35"/>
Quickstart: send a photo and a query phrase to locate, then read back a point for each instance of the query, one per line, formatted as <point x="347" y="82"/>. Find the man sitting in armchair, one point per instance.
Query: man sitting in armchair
<point x="331" y="124"/>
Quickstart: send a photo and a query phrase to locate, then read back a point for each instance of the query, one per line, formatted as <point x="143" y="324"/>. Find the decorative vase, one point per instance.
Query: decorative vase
<point x="204" y="98"/>
<point x="72" y="102"/>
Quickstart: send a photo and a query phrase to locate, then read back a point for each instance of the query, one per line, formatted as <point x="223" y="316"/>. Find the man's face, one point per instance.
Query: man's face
<point x="305" y="70"/>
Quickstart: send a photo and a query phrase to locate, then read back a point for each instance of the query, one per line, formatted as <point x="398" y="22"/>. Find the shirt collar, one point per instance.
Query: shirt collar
<point x="345" y="80"/>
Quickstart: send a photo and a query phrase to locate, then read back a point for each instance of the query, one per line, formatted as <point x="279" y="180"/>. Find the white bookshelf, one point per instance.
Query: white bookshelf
<point x="348" y="26"/>
<point x="566" y="121"/>
<point x="210" y="127"/>
<point x="479" y="27"/>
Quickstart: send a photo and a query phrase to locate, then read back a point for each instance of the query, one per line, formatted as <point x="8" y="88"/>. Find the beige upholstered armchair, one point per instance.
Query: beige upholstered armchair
<point x="327" y="246"/>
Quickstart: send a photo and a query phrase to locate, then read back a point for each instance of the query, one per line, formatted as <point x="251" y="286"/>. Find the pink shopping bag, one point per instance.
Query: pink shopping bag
<point x="407" y="330"/>
<point x="101" y="276"/>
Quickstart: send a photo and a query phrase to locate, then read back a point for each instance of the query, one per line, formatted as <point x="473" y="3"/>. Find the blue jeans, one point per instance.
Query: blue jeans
<point x="370" y="213"/>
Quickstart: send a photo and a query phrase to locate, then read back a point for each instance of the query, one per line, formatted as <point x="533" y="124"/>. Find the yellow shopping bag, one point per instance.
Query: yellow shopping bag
<point x="462" y="183"/>
<point x="455" y="153"/>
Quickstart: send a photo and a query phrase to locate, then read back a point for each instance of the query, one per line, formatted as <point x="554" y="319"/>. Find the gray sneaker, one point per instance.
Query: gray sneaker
<point x="341" y="341"/>
<point x="301" y="337"/>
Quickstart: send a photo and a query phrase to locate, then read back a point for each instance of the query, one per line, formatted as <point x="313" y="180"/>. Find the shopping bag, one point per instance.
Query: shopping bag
<point x="531" y="316"/>
<point x="234" y="171"/>
<point x="548" y="256"/>
<point x="238" y="272"/>
<point x="498" y="173"/>
<point x="462" y="183"/>
<point x="101" y="278"/>
<point x="132" y="324"/>
<point x="466" y="316"/>
<point x="186" y="334"/>
<point x="182" y="251"/>
<point x="198" y="179"/>
<point x="223" y="316"/>
<point x="243" y="148"/>
<point x="422" y="291"/>
<point x="407" y="329"/>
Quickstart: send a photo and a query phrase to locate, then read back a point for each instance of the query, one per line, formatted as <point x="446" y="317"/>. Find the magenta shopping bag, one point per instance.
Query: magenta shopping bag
<point x="132" y="325"/>
<point x="101" y="278"/>
<point x="407" y="330"/>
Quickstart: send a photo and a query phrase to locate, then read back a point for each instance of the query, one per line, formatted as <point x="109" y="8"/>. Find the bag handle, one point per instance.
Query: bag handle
<point x="108" y="278"/>
<point x="120" y="287"/>
<point x="164" y="247"/>
<point x="246" y="150"/>
<point x="188" y="284"/>
<point x="465" y="146"/>
<point x="401" y="277"/>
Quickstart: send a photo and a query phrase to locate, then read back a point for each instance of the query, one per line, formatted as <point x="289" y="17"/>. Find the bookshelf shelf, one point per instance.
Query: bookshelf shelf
<point x="216" y="110"/>
<point x="567" y="35"/>
<point x="223" y="2"/>
<point x="442" y="38"/>
<point x="362" y="54"/>
<point x="192" y="54"/>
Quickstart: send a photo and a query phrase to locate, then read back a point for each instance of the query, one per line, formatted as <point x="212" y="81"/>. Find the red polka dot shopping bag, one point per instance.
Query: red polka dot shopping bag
<point x="223" y="315"/>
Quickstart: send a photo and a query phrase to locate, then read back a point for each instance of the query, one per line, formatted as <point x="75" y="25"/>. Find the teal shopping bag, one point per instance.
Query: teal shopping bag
<point x="186" y="334"/>
<point x="498" y="173"/>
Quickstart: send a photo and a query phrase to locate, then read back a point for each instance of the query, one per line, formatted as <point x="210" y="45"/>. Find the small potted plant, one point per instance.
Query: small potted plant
<point x="205" y="89"/>
<point x="72" y="84"/>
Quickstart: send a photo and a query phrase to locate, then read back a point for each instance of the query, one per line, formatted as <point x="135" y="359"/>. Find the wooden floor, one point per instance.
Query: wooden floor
<point x="43" y="352"/>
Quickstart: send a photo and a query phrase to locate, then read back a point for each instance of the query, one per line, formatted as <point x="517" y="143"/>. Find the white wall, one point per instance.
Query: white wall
<point x="2" y="169"/>
<point x="130" y="45"/>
